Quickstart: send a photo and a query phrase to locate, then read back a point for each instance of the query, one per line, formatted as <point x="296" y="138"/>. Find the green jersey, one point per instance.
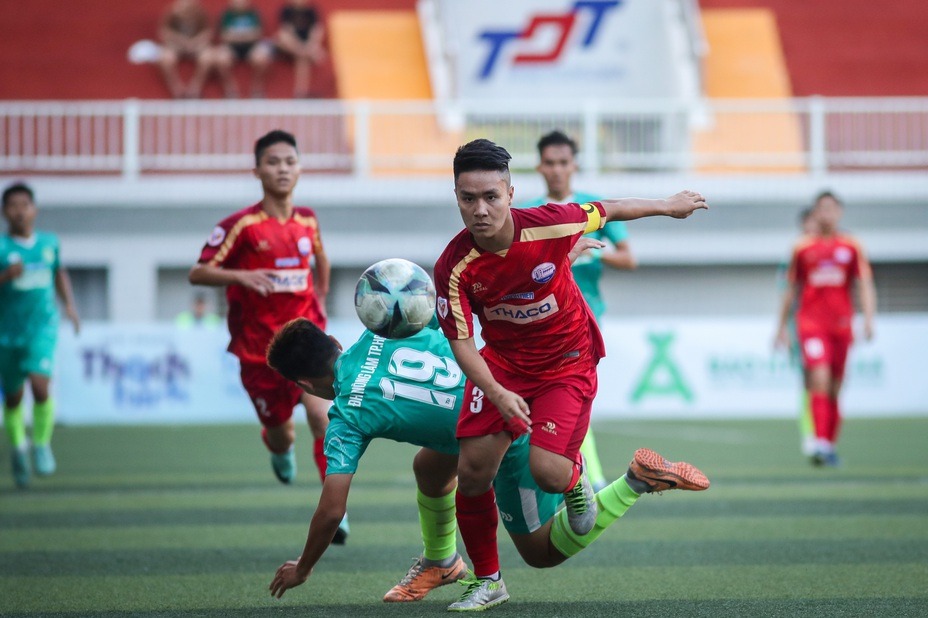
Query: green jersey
<point x="588" y="268"/>
<point x="27" y="303"/>
<point x="407" y="390"/>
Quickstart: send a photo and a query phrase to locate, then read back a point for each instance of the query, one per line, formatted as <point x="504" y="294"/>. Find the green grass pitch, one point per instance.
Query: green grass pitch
<point x="189" y="521"/>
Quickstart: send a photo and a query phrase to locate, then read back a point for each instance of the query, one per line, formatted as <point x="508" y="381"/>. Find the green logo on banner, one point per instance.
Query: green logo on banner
<point x="662" y="377"/>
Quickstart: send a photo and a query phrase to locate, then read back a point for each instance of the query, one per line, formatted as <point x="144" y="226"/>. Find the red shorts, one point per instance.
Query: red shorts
<point x="273" y="396"/>
<point x="559" y="409"/>
<point x="825" y="348"/>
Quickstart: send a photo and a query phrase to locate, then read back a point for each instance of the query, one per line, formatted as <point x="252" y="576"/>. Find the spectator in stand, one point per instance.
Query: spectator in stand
<point x="299" y="36"/>
<point x="186" y="35"/>
<point x="240" y="31"/>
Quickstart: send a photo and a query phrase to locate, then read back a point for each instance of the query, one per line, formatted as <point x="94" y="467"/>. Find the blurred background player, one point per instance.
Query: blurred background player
<point x="557" y="154"/>
<point x="186" y="34"/>
<point x="510" y="269"/>
<point x="30" y="276"/>
<point x="264" y="256"/>
<point x="809" y="228"/>
<point x="300" y="36"/>
<point x="821" y="273"/>
<point x="198" y="316"/>
<point x="241" y="32"/>
<point x="423" y="364"/>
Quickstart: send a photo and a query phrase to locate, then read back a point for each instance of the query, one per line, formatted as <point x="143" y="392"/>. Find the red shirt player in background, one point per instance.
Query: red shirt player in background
<point x="263" y="256"/>
<point x="537" y="372"/>
<point x="822" y="271"/>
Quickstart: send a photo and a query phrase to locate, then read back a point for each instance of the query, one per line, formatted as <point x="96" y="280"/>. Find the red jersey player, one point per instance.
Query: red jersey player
<point x="822" y="271"/>
<point x="537" y="372"/>
<point x="263" y="256"/>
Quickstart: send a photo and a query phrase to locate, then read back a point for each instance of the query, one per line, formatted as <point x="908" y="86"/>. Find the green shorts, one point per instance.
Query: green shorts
<point x="523" y="506"/>
<point x="35" y="357"/>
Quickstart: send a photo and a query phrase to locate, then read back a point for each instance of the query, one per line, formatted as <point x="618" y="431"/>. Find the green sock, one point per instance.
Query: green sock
<point x="43" y="422"/>
<point x="805" y="416"/>
<point x="439" y="527"/>
<point x="14" y="423"/>
<point x="612" y="501"/>
<point x="594" y="469"/>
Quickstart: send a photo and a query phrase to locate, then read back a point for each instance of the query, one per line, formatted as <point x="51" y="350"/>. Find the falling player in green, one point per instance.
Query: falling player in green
<point x="557" y="164"/>
<point x="30" y="276"/>
<point x="410" y="390"/>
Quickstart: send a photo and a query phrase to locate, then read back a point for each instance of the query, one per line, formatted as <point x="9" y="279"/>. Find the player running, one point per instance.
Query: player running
<point x="265" y="255"/>
<point x="821" y="273"/>
<point x="557" y="155"/>
<point x="411" y="390"/>
<point x="30" y="276"/>
<point x="510" y="268"/>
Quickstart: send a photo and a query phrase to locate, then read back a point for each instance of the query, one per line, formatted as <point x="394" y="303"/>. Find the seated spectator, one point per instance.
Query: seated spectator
<point x="240" y="31"/>
<point x="300" y="37"/>
<point x="185" y="35"/>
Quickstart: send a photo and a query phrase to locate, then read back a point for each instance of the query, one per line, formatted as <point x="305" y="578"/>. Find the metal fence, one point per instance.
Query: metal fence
<point x="365" y="138"/>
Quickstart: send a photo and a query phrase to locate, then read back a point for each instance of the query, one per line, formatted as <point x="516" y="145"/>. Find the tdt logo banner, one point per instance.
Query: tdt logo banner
<point x="558" y="48"/>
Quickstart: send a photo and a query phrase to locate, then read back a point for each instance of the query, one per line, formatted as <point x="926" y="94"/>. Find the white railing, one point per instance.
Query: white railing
<point x="805" y="135"/>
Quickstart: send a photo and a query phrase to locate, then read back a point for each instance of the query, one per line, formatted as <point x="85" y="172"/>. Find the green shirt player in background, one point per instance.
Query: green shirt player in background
<point x="557" y="164"/>
<point x="30" y="276"/>
<point x="410" y="390"/>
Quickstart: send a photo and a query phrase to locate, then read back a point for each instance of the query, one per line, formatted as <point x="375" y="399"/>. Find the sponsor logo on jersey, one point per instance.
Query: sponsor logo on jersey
<point x="519" y="296"/>
<point x="48" y="255"/>
<point x="216" y="236"/>
<point x="477" y="287"/>
<point x="292" y="280"/>
<point x="442" y="306"/>
<point x="827" y="275"/>
<point x="523" y="314"/>
<point x="843" y="255"/>
<point x="543" y="273"/>
<point x="287" y="262"/>
<point x="550" y="427"/>
<point x="303" y="245"/>
<point x="263" y="245"/>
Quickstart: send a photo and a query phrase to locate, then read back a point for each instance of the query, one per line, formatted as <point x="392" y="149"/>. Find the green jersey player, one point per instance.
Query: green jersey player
<point x="410" y="390"/>
<point x="30" y="277"/>
<point x="557" y="164"/>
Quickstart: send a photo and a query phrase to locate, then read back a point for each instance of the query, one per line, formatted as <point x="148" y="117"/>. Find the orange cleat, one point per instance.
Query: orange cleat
<point x="421" y="579"/>
<point x="660" y="475"/>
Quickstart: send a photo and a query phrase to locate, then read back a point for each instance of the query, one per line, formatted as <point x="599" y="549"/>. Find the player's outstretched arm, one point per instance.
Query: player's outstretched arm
<point x="679" y="206"/>
<point x="329" y="513"/>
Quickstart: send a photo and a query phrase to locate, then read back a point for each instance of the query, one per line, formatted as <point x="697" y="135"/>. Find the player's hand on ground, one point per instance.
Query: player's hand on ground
<point x="259" y="281"/>
<point x="583" y="244"/>
<point x="514" y="410"/>
<point x="287" y="577"/>
<point x="685" y="203"/>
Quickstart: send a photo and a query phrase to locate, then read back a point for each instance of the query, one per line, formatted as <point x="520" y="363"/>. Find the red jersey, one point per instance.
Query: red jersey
<point x="531" y="313"/>
<point x="824" y="269"/>
<point x="251" y="240"/>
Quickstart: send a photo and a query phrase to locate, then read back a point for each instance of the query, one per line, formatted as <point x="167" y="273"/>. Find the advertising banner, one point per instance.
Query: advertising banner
<point x="654" y="368"/>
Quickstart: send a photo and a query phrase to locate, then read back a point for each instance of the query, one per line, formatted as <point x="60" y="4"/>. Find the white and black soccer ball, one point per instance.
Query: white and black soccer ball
<point x="395" y="298"/>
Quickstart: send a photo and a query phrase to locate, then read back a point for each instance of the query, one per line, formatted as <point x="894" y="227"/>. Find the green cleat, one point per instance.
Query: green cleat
<point x="284" y="466"/>
<point x="44" y="459"/>
<point x="480" y="595"/>
<point x="581" y="505"/>
<point x="21" y="470"/>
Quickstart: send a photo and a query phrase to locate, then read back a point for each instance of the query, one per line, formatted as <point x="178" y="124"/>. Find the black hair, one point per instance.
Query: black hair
<point x="825" y="194"/>
<point x="482" y="155"/>
<point x="556" y="138"/>
<point x="274" y="137"/>
<point x="300" y="350"/>
<point x="805" y="213"/>
<point x="18" y="187"/>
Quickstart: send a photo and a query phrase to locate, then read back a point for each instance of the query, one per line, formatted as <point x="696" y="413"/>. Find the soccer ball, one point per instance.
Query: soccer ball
<point x="395" y="298"/>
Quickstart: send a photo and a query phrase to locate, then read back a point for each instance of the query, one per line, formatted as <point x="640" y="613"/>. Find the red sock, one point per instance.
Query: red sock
<point x="835" y="419"/>
<point x="574" y="477"/>
<point x="821" y="415"/>
<point x="319" y="456"/>
<point x="477" y="522"/>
